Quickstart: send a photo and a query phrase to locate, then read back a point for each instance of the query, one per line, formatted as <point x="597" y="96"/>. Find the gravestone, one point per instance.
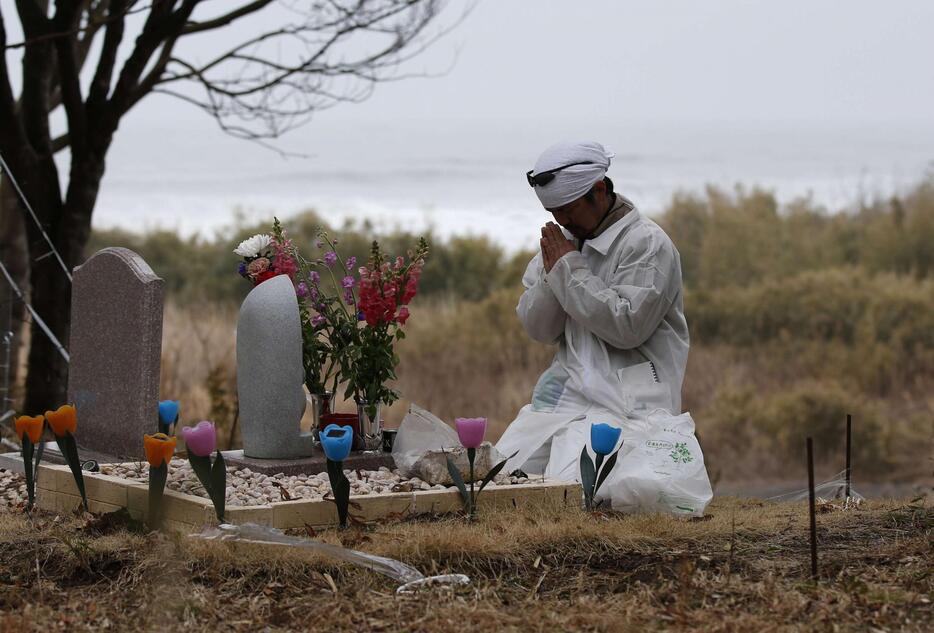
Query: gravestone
<point x="115" y="346"/>
<point x="270" y="375"/>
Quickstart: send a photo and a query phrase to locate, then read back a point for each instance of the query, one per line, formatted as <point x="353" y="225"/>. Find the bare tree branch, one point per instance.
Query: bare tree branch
<point x="12" y="133"/>
<point x="224" y="20"/>
<point x="162" y="24"/>
<point x="100" y="85"/>
<point x="274" y="81"/>
<point x="70" y="81"/>
<point x="89" y="29"/>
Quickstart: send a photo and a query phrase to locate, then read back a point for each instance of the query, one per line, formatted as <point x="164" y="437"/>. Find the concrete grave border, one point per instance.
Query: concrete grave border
<point x="56" y="491"/>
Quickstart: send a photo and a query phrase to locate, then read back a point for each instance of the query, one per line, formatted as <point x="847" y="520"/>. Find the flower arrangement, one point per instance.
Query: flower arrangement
<point x="201" y="441"/>
<point x="264" y="257"/>
<point x="63" y="422"/>
<point x="351" y="317"/>
<point x="603" y="439"/>
<point x="470" y="432"/>
<point x="386" y="289"/>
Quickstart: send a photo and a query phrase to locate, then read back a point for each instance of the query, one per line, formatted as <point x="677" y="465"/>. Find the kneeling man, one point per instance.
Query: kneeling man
<point x="606" y="290"/>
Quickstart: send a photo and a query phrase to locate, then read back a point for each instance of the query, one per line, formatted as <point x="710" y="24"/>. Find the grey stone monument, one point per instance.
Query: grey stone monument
<point x="270" y="376"/>
<point x="115" y="346"/>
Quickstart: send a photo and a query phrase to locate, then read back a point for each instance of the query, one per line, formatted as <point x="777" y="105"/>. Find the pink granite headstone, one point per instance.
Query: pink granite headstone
<point x="115" y="346"/>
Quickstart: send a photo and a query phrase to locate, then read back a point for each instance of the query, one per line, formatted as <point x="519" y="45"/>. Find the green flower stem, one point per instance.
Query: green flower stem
<point x="28" y="452"/>
<point x="340" y="489"/>
<point x="471" y="455"/>
<point x="69" y="450"/>
<point x="157" y="478"/>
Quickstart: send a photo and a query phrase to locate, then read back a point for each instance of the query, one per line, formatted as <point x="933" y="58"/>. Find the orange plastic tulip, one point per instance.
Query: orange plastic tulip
<point x="29" y="426"/>
<point x="159" y="448"/>
<point x="63" y="420"/>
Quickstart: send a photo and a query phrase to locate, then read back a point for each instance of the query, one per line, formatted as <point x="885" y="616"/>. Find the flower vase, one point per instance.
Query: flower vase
<point x="320" y="406"/>
<point x="370" y="425"/>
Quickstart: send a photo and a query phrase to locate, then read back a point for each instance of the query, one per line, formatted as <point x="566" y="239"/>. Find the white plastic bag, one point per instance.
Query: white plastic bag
<point x="660" y="469"/>
<point x="420" y="432"/>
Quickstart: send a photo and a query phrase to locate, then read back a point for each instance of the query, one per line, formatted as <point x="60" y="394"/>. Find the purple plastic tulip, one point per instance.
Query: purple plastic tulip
<point x="200" y="439"/>
<point x="470" y="431"/>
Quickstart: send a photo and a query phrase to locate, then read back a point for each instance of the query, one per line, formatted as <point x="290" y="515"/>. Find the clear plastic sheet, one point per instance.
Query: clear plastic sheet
<point x="411" y="579"/>
<point x="833" y="488"/>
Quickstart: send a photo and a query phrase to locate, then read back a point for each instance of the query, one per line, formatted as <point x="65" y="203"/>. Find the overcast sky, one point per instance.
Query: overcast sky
<point x="532" y="60"/>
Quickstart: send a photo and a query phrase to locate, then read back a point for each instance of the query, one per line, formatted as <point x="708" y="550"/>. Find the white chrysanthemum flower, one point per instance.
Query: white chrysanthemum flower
<point x="253" y="246"/>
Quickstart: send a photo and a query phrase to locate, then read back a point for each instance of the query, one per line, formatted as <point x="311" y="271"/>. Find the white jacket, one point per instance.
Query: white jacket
<point x="616" y="312"/>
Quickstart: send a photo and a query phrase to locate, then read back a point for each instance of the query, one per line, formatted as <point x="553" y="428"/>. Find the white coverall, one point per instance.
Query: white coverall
<point x="615" y="310"/>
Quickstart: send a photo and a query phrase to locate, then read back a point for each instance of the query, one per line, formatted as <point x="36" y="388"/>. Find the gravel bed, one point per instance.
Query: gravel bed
<point x="12" y="488"/>
<point x="246" y="488"/>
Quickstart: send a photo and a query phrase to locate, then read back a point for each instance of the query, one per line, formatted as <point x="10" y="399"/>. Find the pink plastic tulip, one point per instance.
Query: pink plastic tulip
<point x="200" y="439"/>
<point x="470" y="431"/>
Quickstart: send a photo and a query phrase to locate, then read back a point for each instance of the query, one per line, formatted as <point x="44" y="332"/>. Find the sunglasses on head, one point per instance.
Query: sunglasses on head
<point x="543" y="178"/>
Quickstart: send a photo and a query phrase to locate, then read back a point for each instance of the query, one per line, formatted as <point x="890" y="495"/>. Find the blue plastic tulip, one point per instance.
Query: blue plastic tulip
<point x="603" y="438"/>
<point x="336" y="441"/>
<point x="168" y="414"/>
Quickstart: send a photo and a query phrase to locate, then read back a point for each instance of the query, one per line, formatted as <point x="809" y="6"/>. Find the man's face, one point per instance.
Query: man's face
<point x="581" y="216"/>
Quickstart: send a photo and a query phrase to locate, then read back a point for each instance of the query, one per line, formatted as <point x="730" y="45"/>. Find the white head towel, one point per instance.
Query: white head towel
<point x="570" y="183"/>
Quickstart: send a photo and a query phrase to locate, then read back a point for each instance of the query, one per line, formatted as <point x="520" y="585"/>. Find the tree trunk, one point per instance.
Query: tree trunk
<point x="47" y="382"/>
<point x="15" y="255"/>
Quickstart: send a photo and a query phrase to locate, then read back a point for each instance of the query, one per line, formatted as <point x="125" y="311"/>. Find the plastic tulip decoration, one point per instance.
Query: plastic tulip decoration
<point x="603" y="438"/>
<point x="201" y="441"/>
<point x="168" y="416"/>
<point x="64" y="423"/>
<point x="470" y="432"/>
<point x="336" y="441"/>
<point x="29" y="430"/>
<point x="159" y="450"/>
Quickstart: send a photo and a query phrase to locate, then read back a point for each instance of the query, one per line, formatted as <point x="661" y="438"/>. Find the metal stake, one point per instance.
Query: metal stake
<point x="849" y="422"/>
<point x="811" y="502"/>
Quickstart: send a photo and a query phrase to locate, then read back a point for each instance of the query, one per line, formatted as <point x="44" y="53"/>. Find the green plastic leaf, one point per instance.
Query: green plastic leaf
<point x="201" y="464"/>
<point x="69" y="450"/>
<point x="219" y="485"/>
<point x="39" y="451"/>
<point x="606" y="470"/>
<point x="588" y="477"/>
<point x="493" y="472"/>
<point x="458" y="481"/>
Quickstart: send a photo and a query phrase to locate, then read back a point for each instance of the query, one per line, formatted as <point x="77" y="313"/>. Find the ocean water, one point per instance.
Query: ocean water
<point x="468" y="177"/>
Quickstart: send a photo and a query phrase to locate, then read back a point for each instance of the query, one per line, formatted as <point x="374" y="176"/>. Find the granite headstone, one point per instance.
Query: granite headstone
<point x="115" y="347"/>
<point x="270" y="376"/>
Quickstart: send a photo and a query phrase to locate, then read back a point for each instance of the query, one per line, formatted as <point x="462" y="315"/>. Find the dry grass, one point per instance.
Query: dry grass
<point x="753" y="405"/>
<point x="533" y="569"/>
